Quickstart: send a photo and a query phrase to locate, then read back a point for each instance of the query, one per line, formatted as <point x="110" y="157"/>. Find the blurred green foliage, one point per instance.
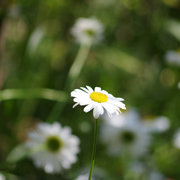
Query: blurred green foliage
<point x="37" y="51"/>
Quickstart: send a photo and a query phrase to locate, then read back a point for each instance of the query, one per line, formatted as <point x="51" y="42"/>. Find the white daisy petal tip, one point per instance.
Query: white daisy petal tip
<point x="97" y="100"/>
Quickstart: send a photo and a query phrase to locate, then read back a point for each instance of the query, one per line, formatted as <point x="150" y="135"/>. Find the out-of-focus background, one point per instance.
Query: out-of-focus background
<point x="137" y="59"/>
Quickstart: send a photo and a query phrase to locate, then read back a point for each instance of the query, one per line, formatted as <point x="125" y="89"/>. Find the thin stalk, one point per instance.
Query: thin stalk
<point x="77" y="65"/>
<point x="71" y="78"/>
<point x="35" y="93"/>
<point x="94" y="149"/>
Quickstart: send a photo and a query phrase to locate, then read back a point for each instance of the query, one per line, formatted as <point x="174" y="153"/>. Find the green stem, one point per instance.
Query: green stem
<point x="44" y="93"/>
<point x="77" y="65"/>
<point x="94" y="149"/>
<point x="71" y="78"/>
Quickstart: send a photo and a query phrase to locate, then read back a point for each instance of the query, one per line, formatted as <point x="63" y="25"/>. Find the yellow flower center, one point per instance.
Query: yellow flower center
<point x="178" y="50"/>
<point x="90" y="32"/>
<point x="127" y="137"/>
<point x="98" y="97"/>
<point x="54" y="143"/>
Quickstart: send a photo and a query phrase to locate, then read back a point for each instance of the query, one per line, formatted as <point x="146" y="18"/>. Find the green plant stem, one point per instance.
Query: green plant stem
<point x="71" y="78"/>
<point x="44" y="93"/>
<point x="94" y="149"/>
<point x="77" y="65"/>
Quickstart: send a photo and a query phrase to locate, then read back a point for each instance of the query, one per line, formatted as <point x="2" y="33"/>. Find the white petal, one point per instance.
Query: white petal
<point x="116" y="103"/>
<point x="104" y="92"/>
<point x="108" y="107"/>
<point x="75" y="105"/>
<point x="117" y="111"/>
<point x="88" y="108"/>
<point x="90" y="89"/>
<point x="78" y="93"/>
<point x="120" y="99"/>
<point x="95" y="112"/>
<point x="100" y="109"/>
<point x="81" y="99"/>
<point x="85" y="103"/>
<point x="86" y="90"/>
<point x="97" y="89"/>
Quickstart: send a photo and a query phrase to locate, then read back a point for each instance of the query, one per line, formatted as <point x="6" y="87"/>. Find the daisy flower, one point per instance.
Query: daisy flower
<point x="87" y="30"/>
<point x="128" y="137"/>
<point x="156" y="175"/>
<point x="83" y="177"/>
<point x="98" y="100"/>
<point x="143" y="171"/>
<point x="2" y="177"/>
<point x="176" y="139"/>
<point x="173" y="57"/>
<point x="118" y="121"/>
<point x="53" y="147"/>
<point x="97" y="174"/>
<point x="178" y="85"/>
<point x="157" y="124"/>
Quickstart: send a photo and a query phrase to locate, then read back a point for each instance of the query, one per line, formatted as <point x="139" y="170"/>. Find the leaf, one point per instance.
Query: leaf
<point x="18" y="153"/>
<point x="173" y="27"/>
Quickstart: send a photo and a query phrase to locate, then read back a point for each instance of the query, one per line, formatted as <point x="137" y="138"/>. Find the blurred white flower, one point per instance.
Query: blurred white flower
<point x="52" y="147"/>
<point x="157" y="124"/>
<point x="128" y="137"/>
<point x="14" y="11"/>
<point x="142" y="170"/>
<point x="173" y="57"/>
<point x="87" y="30"/>
<point x="2" y="177"/>
<point x="156" y="175"/>
<point x="179" y="85"/>
<point x="137" y="167"/>
<point x="98" y="173"/>
<point x="98" y="100"/>
<point x="83" y="177"/>
<point x="176" y="139"/>
<point x="118" y="121"/>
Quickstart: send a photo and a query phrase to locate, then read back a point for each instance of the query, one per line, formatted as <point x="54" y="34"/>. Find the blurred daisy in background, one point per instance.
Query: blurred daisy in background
<point x="142" y="171"/>
<point x="129" y="136"/>
<point x="173" y="57"/>
<point x="87" y="30"/>
<point x="176" y="139"/>
<point x="98" y="174"/>
<point x="83" y="177"/>
<point x="2" y="177"/>
<point x="117" y="121"/>
<point x="98" y="100"/>
<point x="156" y="175"/>
<point x="53" y="147"/>
<point x="178" y="85"/>
<point x="157" y="124"/>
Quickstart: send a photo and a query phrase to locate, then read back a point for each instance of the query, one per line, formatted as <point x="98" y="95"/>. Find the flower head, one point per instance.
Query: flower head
<point x="53" y="147"/>
<point x="129" y="136"/>
<point x="83" y="177"/>
<point x="2" y="177"/>
<point x="176" y="140"/>
<point x="173" y="57"/>
<point x="178" y="85"/>
<point x="87" y="30"/>
<point x="143" y="171"/>
<point x="156" y="175"/>
<point x="157" y="124"/>
<point x="98" y="100"/>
